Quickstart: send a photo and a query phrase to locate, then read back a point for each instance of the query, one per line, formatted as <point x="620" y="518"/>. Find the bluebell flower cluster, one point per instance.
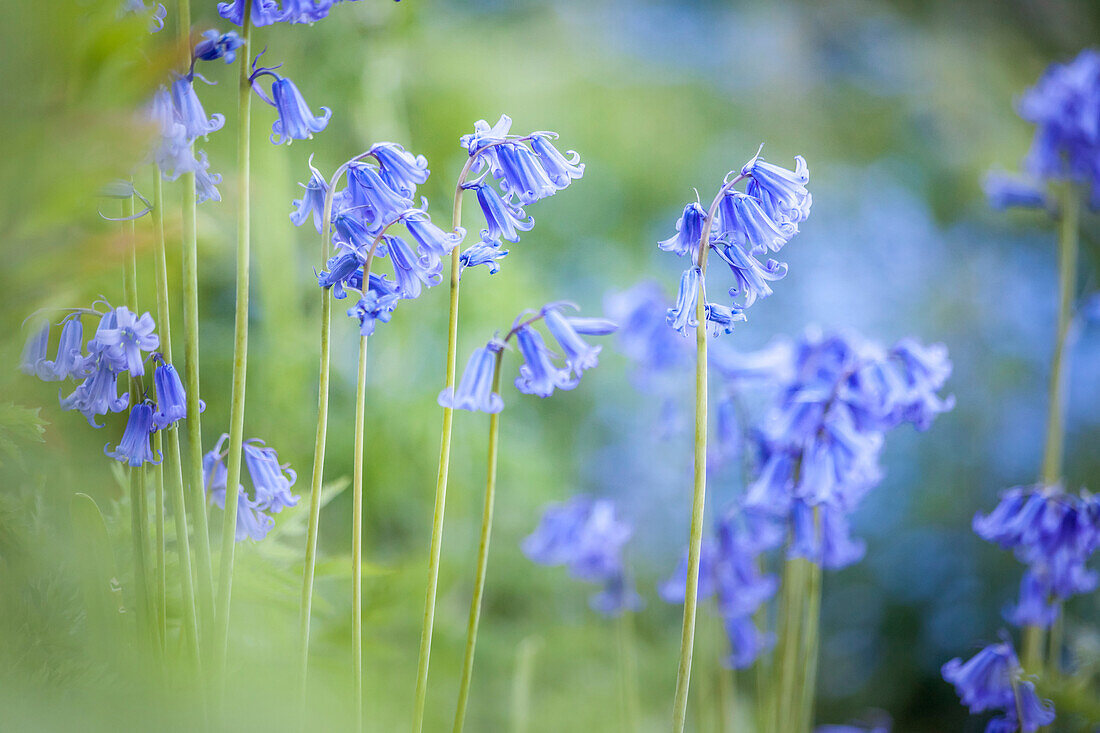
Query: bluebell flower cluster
<point x="539" y="374"/>
<point x="585" y="535"/>
<point x="296" y="120"/>
<point x="267" y="12"/>
<point x="1054" y="534"/>
<point x="379" y="195"/>
<point x="526" y="168"/>
<point x="1066" y="144"/>
<point x="744" y="227"/>
<point x="118" y="350"/>
<point x="729" y="570"/>
<point x="271" y="483"/>
<point x="993" y="680"/>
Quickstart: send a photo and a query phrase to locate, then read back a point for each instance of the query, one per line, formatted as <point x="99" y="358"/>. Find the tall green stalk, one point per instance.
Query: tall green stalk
<point x="1053" y="448"/>
<point x="482" y="558"/>
<point x="172" y="462"/>
<point x="811" y="637"/>
<point x="240" y="348"/>
<point x="628" y="664"/>
<point x="699" y="493"/>
<point x="357" y="528"/>
<point x="161" y="575"/>
<point x="786" y="698"/>
<point x="190" y="275"/>
<point x="428" y="623"/>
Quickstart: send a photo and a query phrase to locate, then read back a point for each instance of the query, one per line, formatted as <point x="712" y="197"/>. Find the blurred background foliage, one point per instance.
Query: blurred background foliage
<point x="899" y="107"/>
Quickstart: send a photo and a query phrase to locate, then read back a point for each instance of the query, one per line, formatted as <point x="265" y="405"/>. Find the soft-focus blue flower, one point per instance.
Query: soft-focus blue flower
<point x="782" y="192"/>
<point x="1007" y="191"/>
<point x="743" y="221"/>
<point x="296" y="120"/>
<point x="70" y="361"/>
<point x="128" y="338"/>
<point x="475" y="389"/>
<point x="539" y="375"/>
<point x="485" y="252"/>
<point x="373" y="198"/>
<point x="1033" y="712"/>
<point x="271" y="481"/>
<point x="156" y="17"/>
<point x="34" y="351"/>
<point x="376" y="304"/>
<point x="1034" y="607"/>
<point x="172" y="152"/>
<point x="984" y="682"/>
<point x="312" y="201"/>
<point x="689" y="231"/>
<point x="617" y="597"/>
<point x="171" y="397"/>
<point x="747" y="641"/>
<point x="432" y="242"/>
<point x="411" y="271"/>
<point x="643" y="335"/>
<point x="205" y="181"/>
<point x="683" y="316"/>
<point x="216" y="45"/>
<point x="134" y="448"/>
<point x="251" y="522"/>
<point x="98" y="393"/>
<point x="264" y="12"/>
<point x="189" y="111"/>
<point x="826" y="542"/>
<point x="503" y="219"/>
<point x="579" y="355"/>
<point x="559" y="169"/>
<point x="400" y="169"/>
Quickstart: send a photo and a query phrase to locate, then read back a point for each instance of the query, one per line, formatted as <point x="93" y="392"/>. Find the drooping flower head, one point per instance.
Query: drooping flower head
<point x="124" y="340"/>
<point x="271" y="482"/>
<point x="215" y="45"/>
<point x="993" y="680"/>
<point x="171" y="397"/>
<point x="70" y="361"/>
<point x="475" y="389"/>
<point x="134" y="448"/>
<point x="296" y="120"/>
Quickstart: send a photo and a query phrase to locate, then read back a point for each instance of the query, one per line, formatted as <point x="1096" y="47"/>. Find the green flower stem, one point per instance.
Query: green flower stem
<point x="172" y="462"/>
<point x="691" y="592"/>
<point x="482" y="558"/>
<point x="204" y="576"/>
<point x="424" y="656"/>
<point x="811" y="636"/>
<point x="240" y="350"/>
<point x="521" y="683"/>
<point x="786" y="698"/>
<point x="320" y="442"/>
<point x="161" y="576"/>
<point x="629" y="670"/>
<point x="357" y="530"/>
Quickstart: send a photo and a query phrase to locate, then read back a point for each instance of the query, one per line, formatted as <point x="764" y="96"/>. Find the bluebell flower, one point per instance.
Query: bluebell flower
<point x="475" y="389"/>
<point x="432" y="242"/>
<point x="312" y="201"/>
<point x="643" y="335"/>
<point x="252" y="523"/>
<point x="296" y="120"/>
<point x="371" y="194"/>
<point x="1035" y="607"/>
<point x="579" y="355"/>
<point x="519" y="173"/>
<point x="721" y="318"/>
<point x="156" y="17"/>
<point x="539" y="375"/>
<point x="782" y="192"/>
<point x="171" y="397"/>
<point x="98" y="393"/>
<point x="559" y="169"/>
<point x="271" y="481"/>
<point x="751" y="277"/>
<point x="216" y="45"/>
<point x="205" y="181"/>
<point x="747" y="641"/>
<point x="351" y="229"/>
<point x="34" y="351"/>
<point x="70" y="361"/>
<point x="411" y="271"/>
<point x="485" y="252"/>
<point x="264" y="12"/>
<point x="743" y="221"/>
<point x="829" y="544"/>
<point x="128" y="338"/>
<point x="689" y="231"/>
<point x="172" y="152"/>
<point x="984" y="682"/>
<point x="376" y="304"/>
<point x="189" y="111"/>
<point x="1005" y="191"/>
<point x="134" y="448"/>
<point x="1033" y="713"/>
<point x="617" y="597"/>
<point x="683" y="316"/>
<point x="503" y="219"/>
<point x="342" y="267"/>
<point x="484" y="135"/>
<point x="400" y="169"/>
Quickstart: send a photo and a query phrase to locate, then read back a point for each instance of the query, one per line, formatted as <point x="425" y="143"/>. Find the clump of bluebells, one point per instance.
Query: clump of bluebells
<point x="271" y="484"/>
<point x="119" y="348"/>
<point x="268" y="12"/>
<point x="993" y="680"/>
<point x="586" y="536"/>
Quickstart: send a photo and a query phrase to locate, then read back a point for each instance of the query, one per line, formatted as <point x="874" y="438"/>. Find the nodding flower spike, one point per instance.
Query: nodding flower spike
<point x="410" y="271"/>
<point x="743" y="221"/>
<point x="539" y="375"/>
<point x="312" y="201"/>
<point x="296" y="120"/>
<point x="189" y="111"/>
<point x="400" y="169"/>
<point x="559" y="169"/>
<point x="134" y="448"/>
<point x="475" y="389"/>
<point x="486" y="252"/>
<point x="689" y="230"/>
<point x="271" y="481"/>
<point x="503" y="219"/>
<point x="251" y="522"/>
<point x="520" y="173"/>
<point x="98" y="393"/>
<point x="376" y="304"/>
<point x="682" y="316"/>
<point x="171" y="397"/>
<point x="782" y="192"/>
<point x="432" y="242"/>
<point x="371" y="194"/>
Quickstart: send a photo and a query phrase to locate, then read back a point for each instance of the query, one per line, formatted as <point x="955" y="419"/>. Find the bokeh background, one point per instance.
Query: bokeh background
<point x="899" y="107"/>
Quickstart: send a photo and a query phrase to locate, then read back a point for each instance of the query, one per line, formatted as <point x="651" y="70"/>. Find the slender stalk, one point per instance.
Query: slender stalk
<point x="628" y="663"/>
<point x="424" y="656"/>
<point x="319" y="444"/>
<point x="1054" y="653"/>
<point x="160" y="576"/>
<point x="240" y="350"/>
<point x="482" y="558"/>
<point x="190" y="275"/>
<point x="357" y="532"/>
<point x="521" y="683"/>
<point x="172" y="462"/>
<point x="811" y="636"/>
<point x="786" y="696"/>
<point x="698" y="500"/>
